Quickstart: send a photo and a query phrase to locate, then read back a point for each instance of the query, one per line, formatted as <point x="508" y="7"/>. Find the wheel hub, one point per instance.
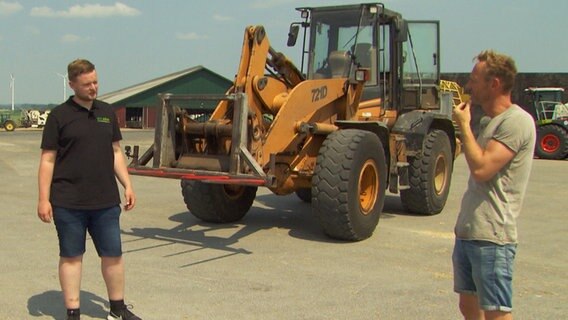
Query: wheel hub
<point x="368" y="187"/>
<point x="440" y="174"/>
<point x="550" y="143"/>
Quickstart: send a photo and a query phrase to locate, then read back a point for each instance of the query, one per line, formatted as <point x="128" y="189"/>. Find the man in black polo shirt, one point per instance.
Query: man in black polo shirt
<point x="80" y="162"/>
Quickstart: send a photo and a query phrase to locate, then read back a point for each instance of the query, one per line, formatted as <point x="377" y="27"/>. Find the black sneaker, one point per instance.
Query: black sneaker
<point x="124" y="314"/>
<point x="73" y="314"/>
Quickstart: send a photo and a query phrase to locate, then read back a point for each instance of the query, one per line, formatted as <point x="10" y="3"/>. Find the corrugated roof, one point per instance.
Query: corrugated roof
<point x="128" y="92"/>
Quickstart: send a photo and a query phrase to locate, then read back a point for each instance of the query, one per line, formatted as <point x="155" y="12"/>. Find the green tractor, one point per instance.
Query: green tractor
<point x="6" y="121"/>
<point x="551" y="117"/>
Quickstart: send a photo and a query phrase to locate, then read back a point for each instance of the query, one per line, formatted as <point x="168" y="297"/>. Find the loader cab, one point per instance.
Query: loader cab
<point x="404" y="68"/>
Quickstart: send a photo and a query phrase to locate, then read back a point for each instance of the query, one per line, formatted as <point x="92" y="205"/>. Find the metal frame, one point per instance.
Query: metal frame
<point x="163" y="149"/>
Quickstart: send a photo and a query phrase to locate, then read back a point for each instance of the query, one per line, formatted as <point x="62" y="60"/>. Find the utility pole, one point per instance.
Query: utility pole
<point x="64" y="76"/>
<point x="12" y="86"/>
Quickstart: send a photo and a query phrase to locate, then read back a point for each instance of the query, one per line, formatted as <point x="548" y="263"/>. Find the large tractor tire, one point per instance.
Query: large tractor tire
<point x="217" y="203"/>
<point x="430" y="174"/>
<point x="551" y="142"/>
<point x="349" y="183"/>
<point x="9" y="125"/>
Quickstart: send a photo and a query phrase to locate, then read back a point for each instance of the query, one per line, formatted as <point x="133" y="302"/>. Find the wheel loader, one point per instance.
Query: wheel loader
<point x="362" y="114"/>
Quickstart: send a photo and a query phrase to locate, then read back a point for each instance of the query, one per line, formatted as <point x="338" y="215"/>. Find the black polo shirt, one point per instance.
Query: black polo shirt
<point x="83" y="176"/>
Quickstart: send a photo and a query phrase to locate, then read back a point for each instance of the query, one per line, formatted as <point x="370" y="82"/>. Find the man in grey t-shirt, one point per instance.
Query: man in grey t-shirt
<point x="499" y="161"/>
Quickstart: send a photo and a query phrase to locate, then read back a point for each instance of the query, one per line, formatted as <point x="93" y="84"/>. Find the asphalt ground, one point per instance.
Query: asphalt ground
<point x="275" y="263"/>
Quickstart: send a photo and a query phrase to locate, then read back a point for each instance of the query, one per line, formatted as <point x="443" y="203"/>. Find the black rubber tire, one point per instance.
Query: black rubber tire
<point x="347" y="162"/>
<point x="305" y="194"/>
<point x="430" y="176"/>
<point x="551" y="142"/>
<point x="9" y="125"/>
<point x="217" y="203"/>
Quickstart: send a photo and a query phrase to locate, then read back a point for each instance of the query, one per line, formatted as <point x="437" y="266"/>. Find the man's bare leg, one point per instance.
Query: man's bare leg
<point x="498" y="315"/>
<point x="112" y="269"/>
<point x="469" y="307"/>
<point x="70" y="270"/>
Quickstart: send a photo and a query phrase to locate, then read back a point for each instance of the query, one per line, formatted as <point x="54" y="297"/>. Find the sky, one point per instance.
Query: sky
<point x="133" y="41"/>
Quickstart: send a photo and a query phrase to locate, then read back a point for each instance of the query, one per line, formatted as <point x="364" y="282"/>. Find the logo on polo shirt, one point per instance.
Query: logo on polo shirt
<point x="103" y="119"/>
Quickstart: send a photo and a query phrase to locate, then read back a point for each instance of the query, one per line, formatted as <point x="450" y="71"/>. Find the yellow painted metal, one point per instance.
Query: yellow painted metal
<point x="368" y="186"/>
<point x="459" y="96"/>
<point x="441" y="174"/>
<point x="300" y="106"/>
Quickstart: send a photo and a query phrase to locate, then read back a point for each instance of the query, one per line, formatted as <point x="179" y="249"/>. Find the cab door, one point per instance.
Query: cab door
<point x="421" y="67"/>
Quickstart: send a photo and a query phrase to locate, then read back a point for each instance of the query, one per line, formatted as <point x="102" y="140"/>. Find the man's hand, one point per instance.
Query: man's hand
<point x="130" y="199"/>
<point x="44" y="211"/>
<point x="462" y="114"/>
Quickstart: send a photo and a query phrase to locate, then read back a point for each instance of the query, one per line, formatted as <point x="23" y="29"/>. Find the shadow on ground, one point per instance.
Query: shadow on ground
<point x="50" y="303"/>
<point x="269" y="212"/>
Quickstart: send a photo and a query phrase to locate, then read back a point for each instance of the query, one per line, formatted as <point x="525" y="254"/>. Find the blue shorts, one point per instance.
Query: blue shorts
<point x="103" y="226"/>
<point x="485" y="269"/>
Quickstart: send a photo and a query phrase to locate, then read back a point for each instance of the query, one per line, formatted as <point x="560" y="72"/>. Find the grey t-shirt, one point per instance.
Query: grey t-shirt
<point x="489" y="210"/>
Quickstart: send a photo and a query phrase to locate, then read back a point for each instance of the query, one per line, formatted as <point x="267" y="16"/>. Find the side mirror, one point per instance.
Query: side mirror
<point x="401" y="30"/>
<point x="293" y="34"/>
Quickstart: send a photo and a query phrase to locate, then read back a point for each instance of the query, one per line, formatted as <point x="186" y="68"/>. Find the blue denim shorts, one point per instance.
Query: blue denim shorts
<point x="485" y="269"/>
<point x="103" y="227"/>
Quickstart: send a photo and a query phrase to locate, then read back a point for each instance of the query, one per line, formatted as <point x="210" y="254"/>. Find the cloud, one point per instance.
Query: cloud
<point x="8" y="8"/>
<point x="190" y="36"/>
<point x="219" y="17"/>
<point x="86" y="11"/>
<point x="71" y="38"/>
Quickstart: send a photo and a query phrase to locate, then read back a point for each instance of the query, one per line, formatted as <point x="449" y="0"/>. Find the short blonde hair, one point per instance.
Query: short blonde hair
<point x="499" y="66"/>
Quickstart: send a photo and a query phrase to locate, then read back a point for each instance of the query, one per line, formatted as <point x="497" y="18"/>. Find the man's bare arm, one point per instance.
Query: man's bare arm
<point x="45" y="176"/>
<point x="483" y="163"/>
<point x="121" y="173"/>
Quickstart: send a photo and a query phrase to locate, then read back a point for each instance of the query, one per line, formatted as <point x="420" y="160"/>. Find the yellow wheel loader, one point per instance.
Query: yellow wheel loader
<point x="364" y="113"/>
